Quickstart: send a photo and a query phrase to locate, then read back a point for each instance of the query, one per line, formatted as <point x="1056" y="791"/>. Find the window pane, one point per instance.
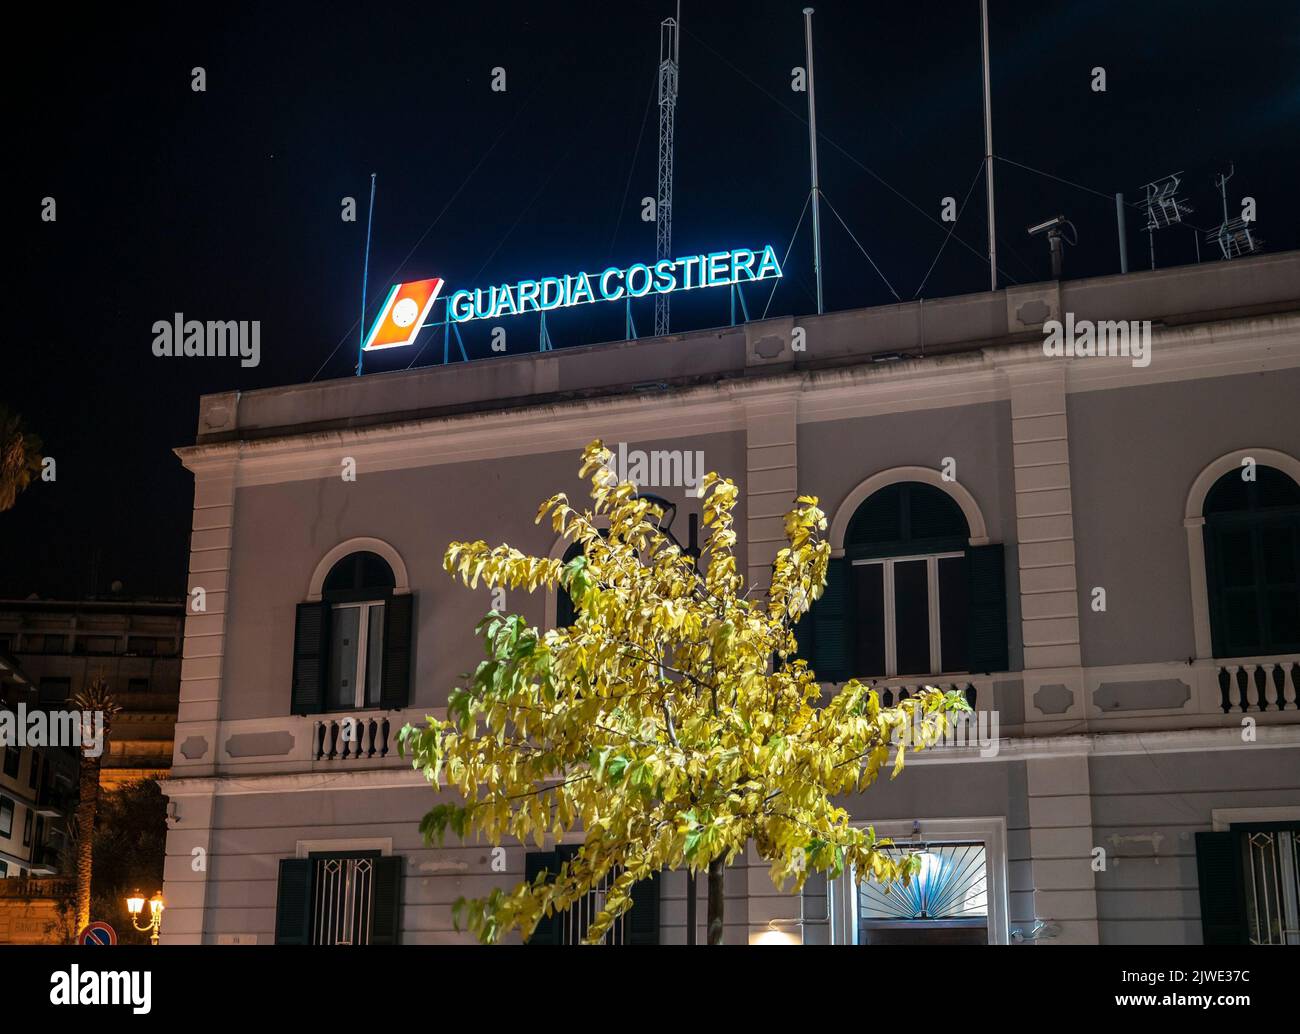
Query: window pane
<point x="912" y="617"/>
<point x="1241" y="611"/>
<point x="1280" y="555"/>
<point x="954" y="610"/>
<point x="1237" y="557"/>
<point x="375" y="655"/>
<point x="343" y="657"/>
<point x="869" y="635"/>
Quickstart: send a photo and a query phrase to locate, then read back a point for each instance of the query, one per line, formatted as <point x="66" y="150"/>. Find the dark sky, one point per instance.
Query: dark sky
<point x="226" y="204"/>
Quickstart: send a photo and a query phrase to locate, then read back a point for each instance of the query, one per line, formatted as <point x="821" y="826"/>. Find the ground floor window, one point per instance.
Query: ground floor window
<point x="1250" y="884"/>
<point x="638" y="925"/>
<point x="946" y="903"/>
<point x="347" y="897"/>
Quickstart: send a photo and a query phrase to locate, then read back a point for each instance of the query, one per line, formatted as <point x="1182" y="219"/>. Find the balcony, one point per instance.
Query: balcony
<point x="351" y="738"/>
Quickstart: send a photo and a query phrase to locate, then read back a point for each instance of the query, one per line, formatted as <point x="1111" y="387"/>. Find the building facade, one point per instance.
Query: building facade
<point x="132" y="643"/>
<point x="1101" y="551"/>
<point x="38" y="797"/>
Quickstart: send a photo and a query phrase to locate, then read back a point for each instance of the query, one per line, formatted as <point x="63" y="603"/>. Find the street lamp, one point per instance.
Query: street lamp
<point x="135" y="905"/>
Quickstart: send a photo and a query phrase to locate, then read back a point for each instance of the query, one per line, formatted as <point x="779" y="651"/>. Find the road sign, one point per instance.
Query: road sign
<point x="97" y="933"/>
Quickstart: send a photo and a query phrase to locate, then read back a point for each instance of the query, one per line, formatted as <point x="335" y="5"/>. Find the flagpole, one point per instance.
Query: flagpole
<point x="988" y="145"/>
<point x="365" y="276"/>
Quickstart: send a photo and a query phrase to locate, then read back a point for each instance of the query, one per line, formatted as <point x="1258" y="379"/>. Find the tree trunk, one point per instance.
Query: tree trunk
<point x="87" y="807"/>
<point x="717" y="869"/>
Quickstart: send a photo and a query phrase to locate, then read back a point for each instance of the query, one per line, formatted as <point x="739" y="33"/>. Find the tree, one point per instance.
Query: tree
<point x="130" y="848"/>
<point x="672" y="722"/>
<point x="95" y="697"/>
<point x="20" y="457"/>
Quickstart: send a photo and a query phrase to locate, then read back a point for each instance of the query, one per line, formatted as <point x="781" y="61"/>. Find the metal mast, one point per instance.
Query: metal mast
<point x="812" y="149"/>
<point x="668" y="50"/>
<point x="988" y="145"/>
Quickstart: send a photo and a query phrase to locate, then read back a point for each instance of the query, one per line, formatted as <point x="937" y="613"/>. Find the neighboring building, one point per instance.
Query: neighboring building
<point x="133" y="643"/>
<point x="38" y="797"/>
<point x="1068" y="539"/>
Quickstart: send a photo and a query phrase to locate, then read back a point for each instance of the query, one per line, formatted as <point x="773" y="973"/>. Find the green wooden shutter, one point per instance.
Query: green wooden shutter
<point x="386" y="916"/>
<point x="293" y="902"/>
<point x="1223" y="905"/>
<point x="395" y="692"/>
<point x="642" y="919"/>
<point x="311" y="651"/>
<point x="987" y="629"/>
<point x="832" y="635"/>
<point x="548" y="929"/>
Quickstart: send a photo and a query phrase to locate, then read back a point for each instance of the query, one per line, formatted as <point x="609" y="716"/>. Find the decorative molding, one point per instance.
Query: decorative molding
<point x="961" y="495"/>
<point x="384" y="845"/>
<point x="359" y="545"/>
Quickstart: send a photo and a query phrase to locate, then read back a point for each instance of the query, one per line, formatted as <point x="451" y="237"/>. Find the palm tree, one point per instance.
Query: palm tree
<point x="95" y="697"/>
<point x="20" y="457"/>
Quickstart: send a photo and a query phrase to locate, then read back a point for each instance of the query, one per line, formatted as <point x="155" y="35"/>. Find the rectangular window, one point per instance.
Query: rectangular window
<point x="143" y="646"/>
<point x="6" y="817"/>
<point x="13" y="758"/>
<point x="356" y="655"/>
<point x="27" y="827"/>
<point x="34" y="771"/>
<point x="4" y="869"/>
<point x="54" y="691"/>
<point x="343" y="896"/>
<point x="137" y="685"/>
<point x="1272" y="885"/>
<point x="101" y="644"/>
<point x="912" y="614"/>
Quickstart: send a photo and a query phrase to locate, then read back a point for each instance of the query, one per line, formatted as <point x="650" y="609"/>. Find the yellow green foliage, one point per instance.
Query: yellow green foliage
<point x="670" y="725"/>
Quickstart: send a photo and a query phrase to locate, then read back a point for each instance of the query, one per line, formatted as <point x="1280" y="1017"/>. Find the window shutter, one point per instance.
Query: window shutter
<point x="293" y="902"/>
<point x="642" y="919"/>
<point x="831" y="631"/>
<point x="311" y="650"/>
<point x="395" y="692"/>
<point x="988" y="609"/>
<point x="1223" y="906"/>
<point x="386" y="916"/>
<point x="548" y="929"/>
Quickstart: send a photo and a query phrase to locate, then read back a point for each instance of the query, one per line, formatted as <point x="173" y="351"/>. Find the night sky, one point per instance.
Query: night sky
<point x="225" y="204"/>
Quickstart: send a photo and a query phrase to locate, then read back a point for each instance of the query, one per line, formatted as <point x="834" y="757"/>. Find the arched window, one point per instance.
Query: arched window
<point x="910" y="595"/>
<point x="1252" y="563"/>
<point x="352" y="649"/>
<point x="565" y="614"/>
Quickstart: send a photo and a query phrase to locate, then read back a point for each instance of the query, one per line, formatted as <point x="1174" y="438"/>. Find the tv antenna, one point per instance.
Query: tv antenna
<point x="1233" y="235"/>
<point x="669" y="48"/>
<point x="1164" y="207"/>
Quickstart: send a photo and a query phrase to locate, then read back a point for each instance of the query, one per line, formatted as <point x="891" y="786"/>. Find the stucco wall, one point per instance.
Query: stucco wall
<point x="1149" y="894"/>
<point x="282" y="531"/>
<point x="1134" y="453"/>
<point x="835" y="456"/>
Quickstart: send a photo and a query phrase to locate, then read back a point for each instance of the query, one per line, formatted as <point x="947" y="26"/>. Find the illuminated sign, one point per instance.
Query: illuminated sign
<point x="398" y="322"/>
<point x="403" y="314"/>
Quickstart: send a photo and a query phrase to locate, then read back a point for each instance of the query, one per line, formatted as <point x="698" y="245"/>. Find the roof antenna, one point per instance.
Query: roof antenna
<point x="1163" y="206"/>
<point x="1233" y="235"/>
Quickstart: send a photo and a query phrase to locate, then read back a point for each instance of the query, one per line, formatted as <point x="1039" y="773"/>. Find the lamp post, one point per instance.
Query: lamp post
<point x="135" y="905"/>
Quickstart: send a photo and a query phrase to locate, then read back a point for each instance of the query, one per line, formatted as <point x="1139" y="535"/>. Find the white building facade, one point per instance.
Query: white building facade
<point x="1103" y="554"/>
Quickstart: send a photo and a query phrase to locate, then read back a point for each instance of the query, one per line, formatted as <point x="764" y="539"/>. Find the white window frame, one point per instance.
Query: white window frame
<point x="932" y="593"/>
<point x="359" y="683"/>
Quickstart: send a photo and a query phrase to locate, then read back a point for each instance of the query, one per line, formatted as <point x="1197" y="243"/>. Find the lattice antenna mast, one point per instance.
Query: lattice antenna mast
<point x="1233" y="236"/>
<point x="669" y="42"/>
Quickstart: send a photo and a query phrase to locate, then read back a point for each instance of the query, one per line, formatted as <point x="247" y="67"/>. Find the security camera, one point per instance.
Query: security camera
<point x="1050" y="224"/>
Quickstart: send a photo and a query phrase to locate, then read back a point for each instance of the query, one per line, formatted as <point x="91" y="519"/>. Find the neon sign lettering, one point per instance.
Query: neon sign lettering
<point x="693" y="272"/>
